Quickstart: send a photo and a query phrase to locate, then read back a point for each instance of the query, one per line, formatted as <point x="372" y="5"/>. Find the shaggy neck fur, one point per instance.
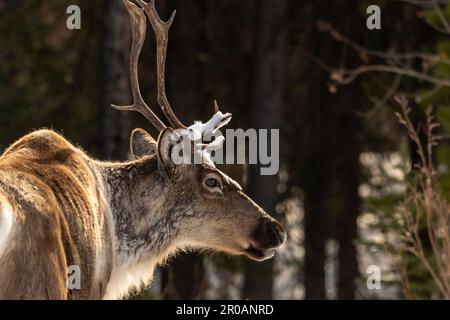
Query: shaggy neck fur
<point x="145" y="222"/>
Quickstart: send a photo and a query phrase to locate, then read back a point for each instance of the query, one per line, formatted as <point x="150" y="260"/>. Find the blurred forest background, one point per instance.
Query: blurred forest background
<point x="352" y="189"/>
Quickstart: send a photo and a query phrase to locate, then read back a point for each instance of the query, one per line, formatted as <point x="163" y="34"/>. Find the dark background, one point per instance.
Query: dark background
<point x="273" y="64"/>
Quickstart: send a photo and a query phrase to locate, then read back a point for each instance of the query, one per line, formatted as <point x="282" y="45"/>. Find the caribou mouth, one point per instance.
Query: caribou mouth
<point x="259" y="254"/>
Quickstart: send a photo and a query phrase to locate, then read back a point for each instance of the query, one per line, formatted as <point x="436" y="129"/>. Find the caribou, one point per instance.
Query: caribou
<point x="116" y="221"/>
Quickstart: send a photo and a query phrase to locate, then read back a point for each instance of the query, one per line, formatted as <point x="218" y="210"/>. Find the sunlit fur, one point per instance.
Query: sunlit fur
<point x="6" y="224"/>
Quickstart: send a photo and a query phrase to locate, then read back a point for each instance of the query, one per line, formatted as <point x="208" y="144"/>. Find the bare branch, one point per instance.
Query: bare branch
<point x="430" y="58"/>
<point x="425" y="204"/>
<point x="441" y="16"/>
<point x="348" y="76"/>
<point x="423" y="3"/>
<point x="379" y="103"/>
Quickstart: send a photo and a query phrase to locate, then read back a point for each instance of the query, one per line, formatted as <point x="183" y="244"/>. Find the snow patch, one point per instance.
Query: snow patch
<point x="196" y="132"/>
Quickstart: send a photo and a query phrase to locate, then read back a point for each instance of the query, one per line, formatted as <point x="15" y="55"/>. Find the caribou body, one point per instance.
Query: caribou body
<point x="116" y="221"/>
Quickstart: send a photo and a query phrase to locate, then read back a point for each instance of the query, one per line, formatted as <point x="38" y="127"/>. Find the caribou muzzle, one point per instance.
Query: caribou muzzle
<point x="268" y="236"/>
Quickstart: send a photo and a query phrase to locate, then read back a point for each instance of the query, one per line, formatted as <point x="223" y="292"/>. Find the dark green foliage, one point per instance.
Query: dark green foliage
<point x="47" y="74"/>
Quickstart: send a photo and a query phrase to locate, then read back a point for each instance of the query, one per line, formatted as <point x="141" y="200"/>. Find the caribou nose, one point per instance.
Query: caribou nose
<point x="270" y="234"/>
<point x="282" y="235"/>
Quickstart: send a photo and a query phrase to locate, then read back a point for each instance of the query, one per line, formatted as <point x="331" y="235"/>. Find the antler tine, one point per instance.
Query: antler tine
<point x="138" y="29"/>
<point x="216" y="106"/>
<point x="161" y="30"/>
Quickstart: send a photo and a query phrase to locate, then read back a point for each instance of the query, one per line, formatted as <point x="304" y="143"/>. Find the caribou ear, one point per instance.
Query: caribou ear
<point x="142" y="144"/>
<point x="167" y="140"/>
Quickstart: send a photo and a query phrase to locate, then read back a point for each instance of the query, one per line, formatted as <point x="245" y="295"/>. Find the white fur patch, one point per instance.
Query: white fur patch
<point x="124" y="279"/>
<point x="130" y="274"/>
<point x="6" y="224"/>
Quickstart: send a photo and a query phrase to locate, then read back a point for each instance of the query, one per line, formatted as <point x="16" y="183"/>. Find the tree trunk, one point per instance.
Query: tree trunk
<point x="317" y="176"/>
<point x="267" y="101"/>
<point x="115" y="88"/>
<point x="332" y="153"/>
<point x="348" y="178"/>
<point x="316" y="188"/>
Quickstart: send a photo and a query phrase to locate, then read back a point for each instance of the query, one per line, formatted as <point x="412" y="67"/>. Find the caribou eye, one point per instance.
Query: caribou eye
<point x="212" y="183"/>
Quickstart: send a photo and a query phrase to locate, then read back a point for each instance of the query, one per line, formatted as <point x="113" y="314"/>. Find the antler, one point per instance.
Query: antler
<point x="138" y="29"/>
<point x="161" y="30"/>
